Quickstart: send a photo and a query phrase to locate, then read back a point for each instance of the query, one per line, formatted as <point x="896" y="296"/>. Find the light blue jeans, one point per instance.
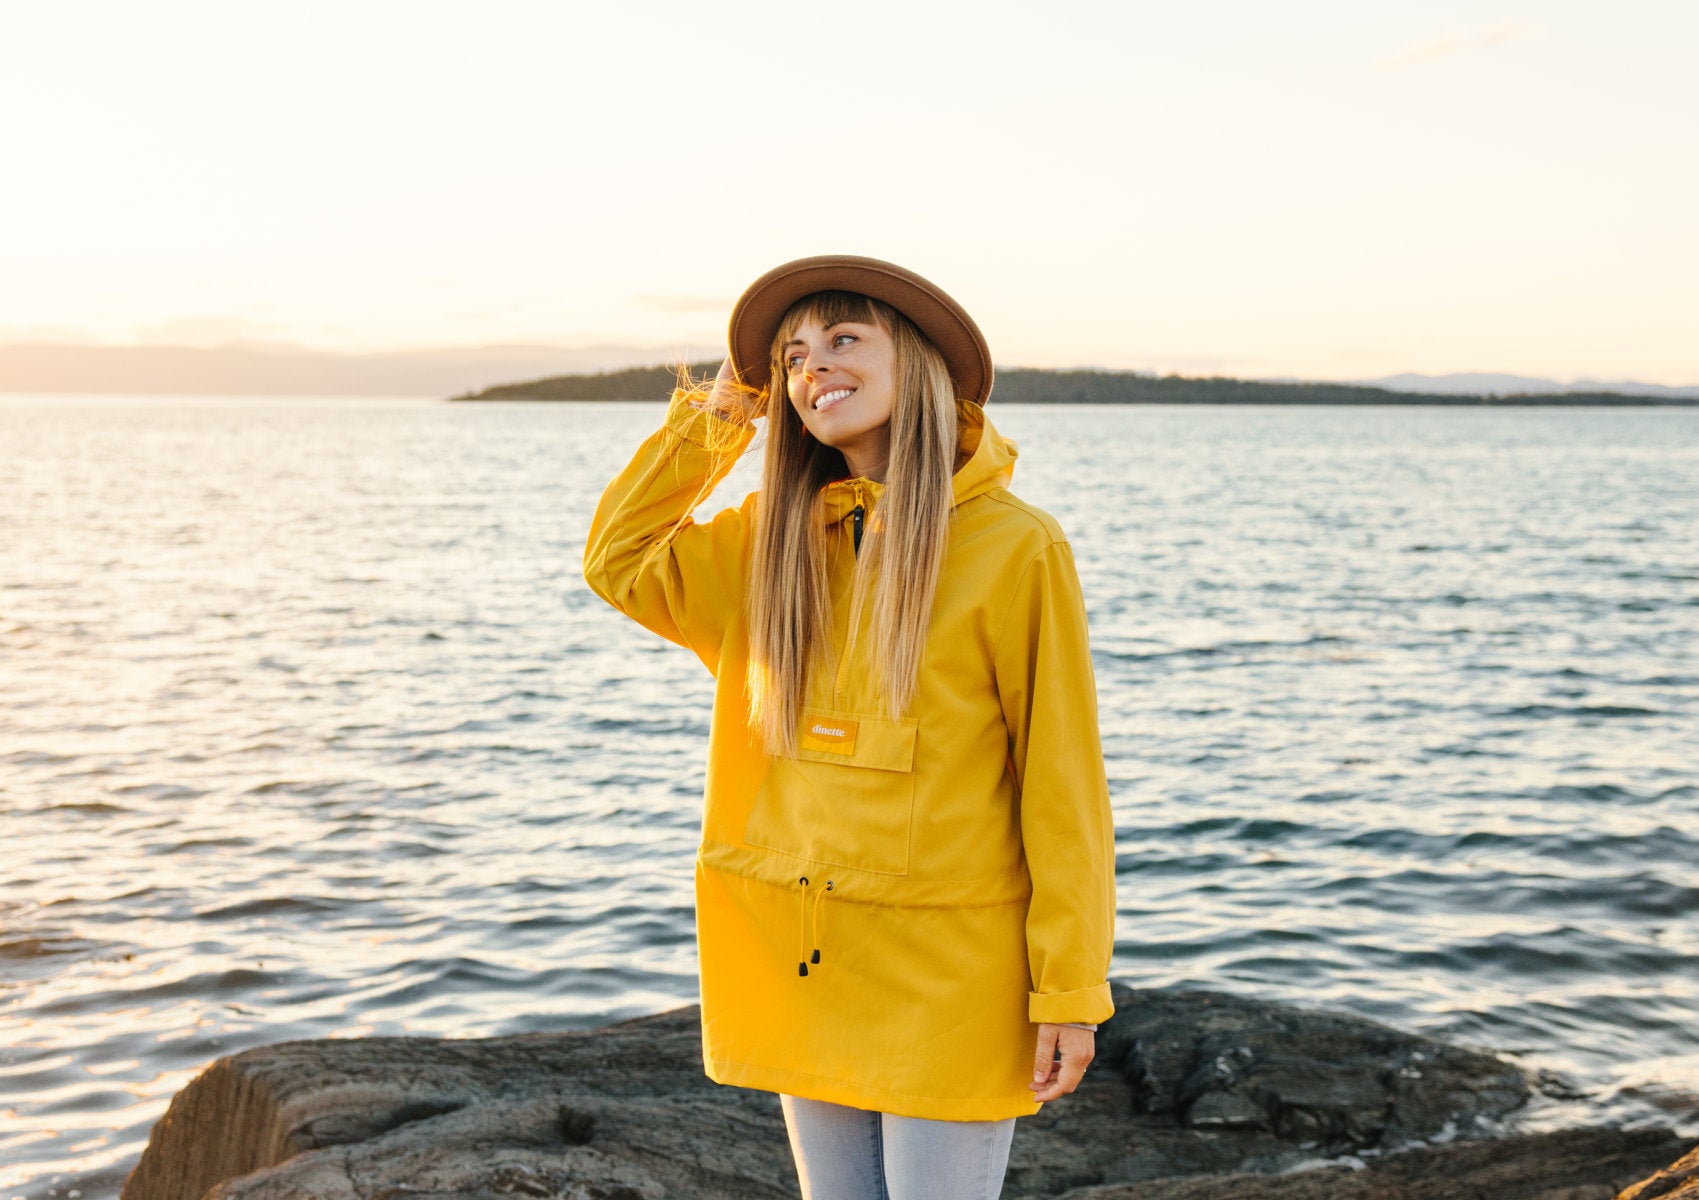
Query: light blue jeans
<point x="853" y="1154"/>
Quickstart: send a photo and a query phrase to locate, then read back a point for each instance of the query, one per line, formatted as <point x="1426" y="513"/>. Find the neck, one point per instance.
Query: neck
<point x="860" y="468"/>
<point x="870" y="457"/>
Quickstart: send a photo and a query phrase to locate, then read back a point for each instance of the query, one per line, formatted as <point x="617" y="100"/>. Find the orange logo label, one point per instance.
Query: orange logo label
<point x="832" y="734"/>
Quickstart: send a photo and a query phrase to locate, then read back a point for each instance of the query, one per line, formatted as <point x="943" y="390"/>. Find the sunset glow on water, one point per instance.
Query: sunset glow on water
<point x="310" y="728"/>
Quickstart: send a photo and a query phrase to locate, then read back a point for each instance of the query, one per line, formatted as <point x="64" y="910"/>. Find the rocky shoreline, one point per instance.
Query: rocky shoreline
<point x="1193" y="1096"/>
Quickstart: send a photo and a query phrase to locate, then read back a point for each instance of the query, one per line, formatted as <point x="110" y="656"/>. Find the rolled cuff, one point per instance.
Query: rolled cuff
<point x="1088" y="1005"/>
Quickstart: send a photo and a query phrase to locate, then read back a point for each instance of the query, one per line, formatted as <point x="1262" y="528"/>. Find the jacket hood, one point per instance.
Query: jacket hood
<point x="985" y="461"/>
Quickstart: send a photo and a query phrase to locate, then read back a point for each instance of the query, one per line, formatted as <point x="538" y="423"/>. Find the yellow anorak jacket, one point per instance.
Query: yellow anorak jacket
<point x="882" y="920"/>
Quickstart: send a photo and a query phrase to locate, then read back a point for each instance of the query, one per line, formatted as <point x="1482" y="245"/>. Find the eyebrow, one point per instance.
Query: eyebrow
<point x="828" y="329"/>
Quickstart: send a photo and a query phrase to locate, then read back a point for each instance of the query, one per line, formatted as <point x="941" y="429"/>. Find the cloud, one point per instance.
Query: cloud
<point x="1453" y="42"/>
<point x="57" y="334"/>
<point x="1177" y="363"/>
<point x="684" y="304"/>
<point x="1359" y="357"/>
<point x="204" y="331"/>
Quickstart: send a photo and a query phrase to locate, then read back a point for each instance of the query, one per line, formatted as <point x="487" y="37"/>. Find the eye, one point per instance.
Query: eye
<point x="793" y="361"/>
<point x="839" y="339"/>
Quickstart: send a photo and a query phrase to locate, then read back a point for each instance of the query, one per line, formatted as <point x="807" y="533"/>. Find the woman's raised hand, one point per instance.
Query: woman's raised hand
<point x="1052" y="1079"/>
<point x="732" y="400"/>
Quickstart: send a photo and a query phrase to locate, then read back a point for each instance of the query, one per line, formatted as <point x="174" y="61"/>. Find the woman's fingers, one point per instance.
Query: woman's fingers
<point x="730" y="398"/>
<point x="724" y="398"/>
<point x="1052" y="1080"/>
<point x="1044" y="1061"/>
<point x="1071" y="1071"/>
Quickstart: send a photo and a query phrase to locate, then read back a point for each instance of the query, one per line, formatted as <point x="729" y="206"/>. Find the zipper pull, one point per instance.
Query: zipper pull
<point x="858" y="514"/>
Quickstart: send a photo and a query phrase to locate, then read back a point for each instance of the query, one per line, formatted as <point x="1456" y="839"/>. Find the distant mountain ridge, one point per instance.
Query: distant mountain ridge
<point x="1507" y="385"/>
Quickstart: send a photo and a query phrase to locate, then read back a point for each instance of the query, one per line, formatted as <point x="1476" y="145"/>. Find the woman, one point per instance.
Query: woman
<point x="905" y="885"/>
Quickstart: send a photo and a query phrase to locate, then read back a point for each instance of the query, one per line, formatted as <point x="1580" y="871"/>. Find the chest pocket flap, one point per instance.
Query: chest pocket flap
<point x="847" y="798"/>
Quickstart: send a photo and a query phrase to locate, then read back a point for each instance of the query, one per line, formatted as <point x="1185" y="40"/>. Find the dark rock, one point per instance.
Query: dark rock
<point x="1581" y="1164"/>
<point x="623" y="1111"/>
<point x="1184" y="1084"/>
<point x="1347" y="1083"/>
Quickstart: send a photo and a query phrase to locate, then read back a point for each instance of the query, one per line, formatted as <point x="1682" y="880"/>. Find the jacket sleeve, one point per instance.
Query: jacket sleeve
<point x="648" y="557"/>
<point x="1049" y="698"/>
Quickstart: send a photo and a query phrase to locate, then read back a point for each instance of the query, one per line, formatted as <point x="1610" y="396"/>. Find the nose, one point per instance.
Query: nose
<point x="814" y="364"/>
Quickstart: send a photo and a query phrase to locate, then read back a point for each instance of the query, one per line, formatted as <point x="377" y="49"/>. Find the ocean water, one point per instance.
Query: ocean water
<point x="310" y="728"/>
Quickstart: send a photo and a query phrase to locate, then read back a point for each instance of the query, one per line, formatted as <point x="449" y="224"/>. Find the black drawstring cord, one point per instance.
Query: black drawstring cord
<point x="817" y="899"/>
<point x="802" y="929"/>
<point x="803" y="958"/>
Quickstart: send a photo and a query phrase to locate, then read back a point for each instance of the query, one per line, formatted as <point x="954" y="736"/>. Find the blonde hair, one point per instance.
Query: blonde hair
<point x="896" y="571"/>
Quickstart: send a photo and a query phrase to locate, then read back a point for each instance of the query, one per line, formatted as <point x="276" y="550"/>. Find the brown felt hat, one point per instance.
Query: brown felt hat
<point x="757" y="313"/>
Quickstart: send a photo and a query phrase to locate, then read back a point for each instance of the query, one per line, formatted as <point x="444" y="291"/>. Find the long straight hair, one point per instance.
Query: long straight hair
<point x="896" y="572"/>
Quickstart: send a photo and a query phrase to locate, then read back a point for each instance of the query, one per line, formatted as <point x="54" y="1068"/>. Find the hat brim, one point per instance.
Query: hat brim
<point x="757" y="313"/>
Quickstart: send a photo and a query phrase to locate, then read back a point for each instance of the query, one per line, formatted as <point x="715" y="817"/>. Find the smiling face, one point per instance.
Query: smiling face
<point x="841" y="380"/>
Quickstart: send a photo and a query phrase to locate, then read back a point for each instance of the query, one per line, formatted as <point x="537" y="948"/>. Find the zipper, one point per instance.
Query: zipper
<point x="857" y="516"/>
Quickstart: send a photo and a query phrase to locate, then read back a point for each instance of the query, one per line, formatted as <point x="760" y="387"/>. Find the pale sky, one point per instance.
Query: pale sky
<point x="1308" y="188"/>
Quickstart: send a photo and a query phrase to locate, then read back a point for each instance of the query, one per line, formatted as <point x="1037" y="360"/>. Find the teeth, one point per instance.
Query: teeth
<point x="833" y="397"/>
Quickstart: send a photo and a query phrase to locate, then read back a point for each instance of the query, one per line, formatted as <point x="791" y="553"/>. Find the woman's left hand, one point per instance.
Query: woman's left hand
<point x="1052" y="1079"/>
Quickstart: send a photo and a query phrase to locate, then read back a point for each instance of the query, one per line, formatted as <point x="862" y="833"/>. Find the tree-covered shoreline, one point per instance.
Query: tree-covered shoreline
<point x="1031" y="385"/>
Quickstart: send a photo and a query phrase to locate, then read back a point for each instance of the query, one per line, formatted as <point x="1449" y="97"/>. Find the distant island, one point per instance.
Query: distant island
<point x="1029" y="385"/>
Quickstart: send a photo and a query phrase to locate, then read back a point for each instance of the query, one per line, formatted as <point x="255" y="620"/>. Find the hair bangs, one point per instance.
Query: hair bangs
<point x="829" y="308"/>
